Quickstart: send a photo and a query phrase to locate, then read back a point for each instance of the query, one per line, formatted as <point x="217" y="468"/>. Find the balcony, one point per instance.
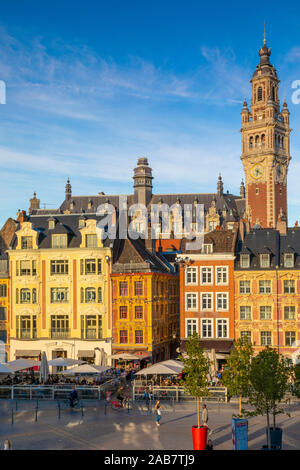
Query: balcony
<point x="60" y="333"/>
<point x="91" y="333"/>
<point x="26" y="334"/>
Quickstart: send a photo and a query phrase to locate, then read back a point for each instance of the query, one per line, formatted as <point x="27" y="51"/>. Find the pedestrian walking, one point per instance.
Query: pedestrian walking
<point x="205" y="419"/>
<point x="157" y="412"/>
<point x="7" y="445"/>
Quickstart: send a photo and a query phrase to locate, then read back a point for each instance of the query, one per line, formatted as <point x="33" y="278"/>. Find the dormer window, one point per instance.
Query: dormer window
<point x="91" y="241"/>
<point x="59" y="241"/>
<point x="51" y="224"/>
<point x="81" y="223"/>
<point x="207" y="249"/>
<point x="244" y="261"/>
<point x="265" y="261"/>
<point x="289" y="260"/>
<point x="26" y="243"/>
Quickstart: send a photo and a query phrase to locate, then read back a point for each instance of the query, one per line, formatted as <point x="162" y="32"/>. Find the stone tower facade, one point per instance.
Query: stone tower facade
<point x="265" y="146"/>
<point x="142" y="182"/>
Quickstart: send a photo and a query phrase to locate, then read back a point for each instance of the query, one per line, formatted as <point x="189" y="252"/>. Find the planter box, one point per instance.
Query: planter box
<point x="199" y="437"/>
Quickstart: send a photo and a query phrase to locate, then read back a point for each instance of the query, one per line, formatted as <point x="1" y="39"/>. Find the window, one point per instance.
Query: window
<point x="244" y="261"/>
<point x="60" y="326"/>
<point x="206" y="275"/>
<point x="191" y="301"/>
<point x="289" y="287"/>
<point x="246" y="337"/>
<point x="191" y="327"/>
<point x="206" y="328"/>
<point x="222" y="328"/>
<point x="90" y="266"/>
<point x="245" y="312"/>
<point x="245" y="287"/>
<point x="25" y="296"/>
<point x="59" y="241"/>
<point x="25" y="268"/>
<point x="90" y="295"/>
<point x="138" y="312"/>
<point x="207" y="249"/>
<point x="265" y="312"/>
<point x="266" y="338"/>
<point x="89" y="327"/>
<point x="265" y="287"/>
<point x="212" y="226"/>
<point x="91" y="241"/>
<point x="3" y="290"/>
<point x="26" y="243"/>
<point x="59" y="267"/>
<point x="2" y="313"/>
<point x="3" y="336"/>
<point x="191" y="275"/>
<point x="123" y="313"/>
<point x="206" y="301"/>
<point x="221" y="275"/>
<point x="290" y="338"/>
<point x="123" y="289"/>
<point x="259" y="93"/>
<point x="139" y="338"/>
<point x="59" y="294"/>
<point x="265" y="261"/>
<point x="123" y="336"/>
<point x="289" y="312"/>
<point x="138" y="288"/>
<point x="222" y="301"/>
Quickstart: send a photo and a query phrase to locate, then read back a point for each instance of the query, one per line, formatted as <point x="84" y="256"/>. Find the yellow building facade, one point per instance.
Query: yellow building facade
<point x="4" y="311"/>
<point x="59" y="290"/>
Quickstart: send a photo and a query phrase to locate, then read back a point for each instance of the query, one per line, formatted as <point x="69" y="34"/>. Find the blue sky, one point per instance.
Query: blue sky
<point x="94" y="86"/>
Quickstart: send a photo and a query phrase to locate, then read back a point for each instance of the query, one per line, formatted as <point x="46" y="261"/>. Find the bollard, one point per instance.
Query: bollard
<point x="37" y="404"/>
<point x="58" y="405"/>
<point x="36" y="414"/>
<point x="82" y="409"/>
<point x="12" y="416"/>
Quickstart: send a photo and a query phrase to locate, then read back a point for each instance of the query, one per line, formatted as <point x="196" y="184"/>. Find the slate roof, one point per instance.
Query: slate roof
<point x="223" y="241"/>
<point x="260" y="241"/>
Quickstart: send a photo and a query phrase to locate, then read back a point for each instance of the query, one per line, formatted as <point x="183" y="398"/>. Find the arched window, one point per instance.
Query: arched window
<point x="263" y="140"/>
<point x="259" y="93"/>
<point x="256" y="141"/>
<point x="282" y="142"/>
<point x="275" y="137"/>
<point x="273" y="93"/>
<point x="251" y="142"/>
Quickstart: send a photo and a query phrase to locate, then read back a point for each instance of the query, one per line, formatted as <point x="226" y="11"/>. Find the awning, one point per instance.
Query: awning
<point x="86" y="353"/>
<point x="28" y="353"/>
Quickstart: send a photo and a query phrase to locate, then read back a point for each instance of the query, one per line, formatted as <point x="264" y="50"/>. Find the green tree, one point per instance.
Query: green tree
<point x="196" y="371"/>
<point x="270" y="374"/>
<point x="236" y="376"/>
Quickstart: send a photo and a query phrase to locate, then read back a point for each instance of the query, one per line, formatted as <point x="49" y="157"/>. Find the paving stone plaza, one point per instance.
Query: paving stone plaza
<point x="98" y="428"/>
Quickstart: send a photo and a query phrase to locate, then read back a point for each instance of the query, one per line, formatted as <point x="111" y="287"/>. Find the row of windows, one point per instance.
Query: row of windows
<point x="59" y="295"/>
<point x="60" y="241"/>
<point x="206" y="301"/>
<point x="206" y="275"/>
<point x="265" y="312"/>
<point x="264" y="259"/>
<point x="138" y="288"/>
<point x="138" y="336"/>
<point x="87" y="266"/>
<point x="266" y="337"/>
<point x="3" y="290"/>
<point x="138" y="313"/>
<point x="265" y="287"/>
<point x="207" y="327"/>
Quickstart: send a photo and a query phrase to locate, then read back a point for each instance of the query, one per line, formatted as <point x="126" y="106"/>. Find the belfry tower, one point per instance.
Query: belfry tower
<point x="265" y="146"/>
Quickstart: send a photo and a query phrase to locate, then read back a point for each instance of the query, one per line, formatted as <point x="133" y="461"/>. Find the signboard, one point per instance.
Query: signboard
<point x="239" y="434"/>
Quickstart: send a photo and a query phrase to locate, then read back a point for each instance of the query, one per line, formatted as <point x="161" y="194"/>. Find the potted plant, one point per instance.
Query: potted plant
<point x="236" y="379"/>
<point x="196" y="382"/>
<point x="270" y="375"/>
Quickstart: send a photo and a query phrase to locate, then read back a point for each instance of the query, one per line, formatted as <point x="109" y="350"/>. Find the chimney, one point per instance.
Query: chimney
<point x="281" y="225"/>
<point x="150" y="240"/>
<point x="22" y="217"/>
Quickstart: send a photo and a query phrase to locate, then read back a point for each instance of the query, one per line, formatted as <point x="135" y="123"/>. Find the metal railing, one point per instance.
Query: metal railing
<point x="57" y="392"/>
<point x="178" y="394"/>
<point x="60" y="333"/>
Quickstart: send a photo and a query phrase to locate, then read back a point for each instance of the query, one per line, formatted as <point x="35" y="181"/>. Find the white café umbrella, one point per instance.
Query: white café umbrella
<point x="44" y="369"/>
<point x="21" y="364"/>
<point x="86" y="369"/>
<point x="64" y="362"/>
<point x="177" y="365"/>
<point x="4" y="369"/>
<point x="125" y="357"/>
<point x="160" y="369"/>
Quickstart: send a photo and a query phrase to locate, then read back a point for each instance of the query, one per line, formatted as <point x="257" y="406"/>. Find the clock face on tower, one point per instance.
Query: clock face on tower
<point x="280" y="172"/>
<point x="256" y="172"/>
